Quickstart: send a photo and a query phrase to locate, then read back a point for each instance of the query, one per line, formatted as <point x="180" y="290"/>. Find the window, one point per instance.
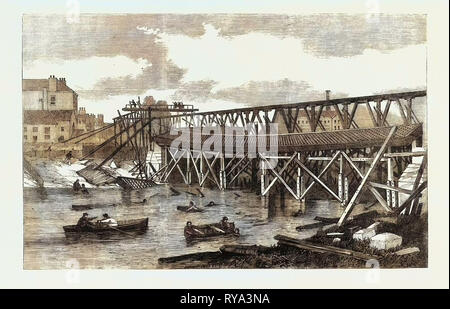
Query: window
<point x="25" y="137"/>
<point x="47" y="137"/>
<point x="47" y="130"/>
<point x="35" y="129"/>
<point x="62" y="129"/>
<point x="52" y="100"/>
<point x="61" y="139"/>
<point x="34" y="138"/>
<point x="25" y="129"/>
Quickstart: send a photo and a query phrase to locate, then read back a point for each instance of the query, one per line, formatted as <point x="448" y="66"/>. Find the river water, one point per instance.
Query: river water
<point x="258" y="219"/>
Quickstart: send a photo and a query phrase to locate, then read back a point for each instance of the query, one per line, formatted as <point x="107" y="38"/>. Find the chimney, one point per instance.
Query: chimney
<point x="100" y="118"/>
<point x="327" y="97"/>
<point x="52" y="83"/>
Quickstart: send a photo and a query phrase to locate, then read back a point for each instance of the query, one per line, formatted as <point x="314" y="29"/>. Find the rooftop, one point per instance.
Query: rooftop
<point x="39" y="84"/>
<point x="46" y="117"/>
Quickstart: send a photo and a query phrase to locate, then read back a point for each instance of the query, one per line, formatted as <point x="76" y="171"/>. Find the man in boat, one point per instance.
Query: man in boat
<point x="192" y="206"/>
<point x="85" y="220"/>
<point x="107" y="220"/>
<point x="84" y="189"/>
<point x="225" y="224"/>
<point x="76" y="185"/>
<point x="189" y="229"/>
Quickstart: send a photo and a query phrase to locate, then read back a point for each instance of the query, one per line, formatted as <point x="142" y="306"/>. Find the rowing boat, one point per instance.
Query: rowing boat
<point x="198" y="232"/>
<point x="122" y="227"/>
<point x="189" y="209"/>
<point x="90" y="206"/>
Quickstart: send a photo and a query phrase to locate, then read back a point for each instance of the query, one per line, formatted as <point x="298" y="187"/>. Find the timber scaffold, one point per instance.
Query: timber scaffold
<point x="342" y="162"/>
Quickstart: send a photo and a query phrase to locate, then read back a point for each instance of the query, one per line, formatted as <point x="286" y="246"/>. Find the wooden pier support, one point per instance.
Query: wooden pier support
<point x="340" y="179"/>
<point x="374" y="164"/>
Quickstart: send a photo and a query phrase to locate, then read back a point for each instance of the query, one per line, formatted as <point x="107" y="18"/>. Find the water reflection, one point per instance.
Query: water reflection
<point x="258" y="219"/>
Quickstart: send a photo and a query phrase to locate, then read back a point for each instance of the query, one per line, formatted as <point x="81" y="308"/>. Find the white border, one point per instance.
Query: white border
<point x="11" y="263"/>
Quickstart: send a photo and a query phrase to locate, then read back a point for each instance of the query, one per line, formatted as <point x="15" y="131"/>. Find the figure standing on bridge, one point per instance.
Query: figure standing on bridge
<point x="69" y="156"/>
<point x="76" y="185"/>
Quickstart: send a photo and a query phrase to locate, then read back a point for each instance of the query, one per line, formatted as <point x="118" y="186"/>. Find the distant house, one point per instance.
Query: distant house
<point x="41" y="126"/>
<point x="48" y="94"/>
<point x="329" y="119"/>
<point x="51" y="114"/>
<point x="88" y="122"/>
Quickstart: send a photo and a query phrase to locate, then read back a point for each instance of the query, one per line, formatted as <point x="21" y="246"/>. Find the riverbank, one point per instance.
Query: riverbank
<point x="414" y="232"/>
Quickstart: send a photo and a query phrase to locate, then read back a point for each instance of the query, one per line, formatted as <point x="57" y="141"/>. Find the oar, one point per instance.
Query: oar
<point x="217" y="229"/>
<point x="198" y="231"/>
<point x="200" y="192"/>
<point x="116" y="229"/>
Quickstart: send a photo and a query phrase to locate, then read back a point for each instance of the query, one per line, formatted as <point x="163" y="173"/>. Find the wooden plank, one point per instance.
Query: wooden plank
<point x="391" y="188"/>
<point x="319" y="248"/>
<point x="414" y="195"/>
<point x="422" y="167"/>
<point x="310" y="226"/>
<point x="405" y="154"/>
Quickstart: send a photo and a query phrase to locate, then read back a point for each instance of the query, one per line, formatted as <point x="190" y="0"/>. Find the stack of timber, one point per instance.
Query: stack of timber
<point x="319" y="248"/>
<point x="134" y="183"/>
<point x="97" y="177"/>
<point x="323" y="221"/>
<point x="244" y="249"/>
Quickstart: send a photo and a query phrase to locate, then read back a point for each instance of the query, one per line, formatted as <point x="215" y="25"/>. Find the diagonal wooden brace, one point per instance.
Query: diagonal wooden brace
<point x="374" y="191"/>
<point x="372" y="167"/>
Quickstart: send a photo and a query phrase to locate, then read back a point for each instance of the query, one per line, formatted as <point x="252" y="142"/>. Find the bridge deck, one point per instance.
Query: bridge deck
<point x="329" y="140"/>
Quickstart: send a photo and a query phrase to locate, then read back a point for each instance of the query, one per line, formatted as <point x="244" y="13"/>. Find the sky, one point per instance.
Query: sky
<point x="219" y="61"/>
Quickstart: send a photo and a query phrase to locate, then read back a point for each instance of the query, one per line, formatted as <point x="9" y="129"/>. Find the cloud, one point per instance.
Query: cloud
<point x="200" y="91"/>
<point x="227" y="59"/>
<point x="234" y="61"/>
<point x="83" y="74"/>
<point x="273" y="92"/>
<point x="50" y="36"/>
<point x="159" y="76"/>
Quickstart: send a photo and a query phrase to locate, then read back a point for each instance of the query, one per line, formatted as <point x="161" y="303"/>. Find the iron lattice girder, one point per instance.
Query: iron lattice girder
<point x="290" y="112"/>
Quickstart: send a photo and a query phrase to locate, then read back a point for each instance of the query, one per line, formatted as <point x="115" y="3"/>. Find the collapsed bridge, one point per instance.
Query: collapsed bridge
<point x="343" y="161"/>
